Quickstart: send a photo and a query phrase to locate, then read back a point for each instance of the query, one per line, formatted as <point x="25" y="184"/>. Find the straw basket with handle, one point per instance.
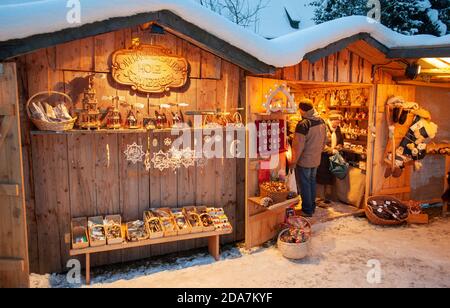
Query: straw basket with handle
<point x="374" y="219"/>
<point x="296" y="251"/>
<point x="50" y="126"/>
<point x="277" y="197"/>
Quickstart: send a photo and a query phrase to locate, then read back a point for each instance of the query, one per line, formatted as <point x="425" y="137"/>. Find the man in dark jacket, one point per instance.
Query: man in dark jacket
<point x="309" y="142"/>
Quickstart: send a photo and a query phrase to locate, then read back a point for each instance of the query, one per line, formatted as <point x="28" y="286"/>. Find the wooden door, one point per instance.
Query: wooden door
<point x="397" y="187"/>
<point x="14" y="270"/>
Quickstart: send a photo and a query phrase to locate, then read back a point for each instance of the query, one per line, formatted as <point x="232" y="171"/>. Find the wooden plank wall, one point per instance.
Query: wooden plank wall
<point x="14" y="267"/>
<point x="344" y="66"/>
<point x="399" y="187"/>
<point x="88" y="186"/>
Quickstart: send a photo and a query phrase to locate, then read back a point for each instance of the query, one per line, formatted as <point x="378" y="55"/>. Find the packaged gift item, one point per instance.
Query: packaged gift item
<point x="97" y="234"/>
<point x="208" y="224"/>
<point x="220" y="219"/>
<point x="136" y="231"/>
<point x="80" y="237"/>
<point x="194" y="219"/>
<point x="113" y="228"/>
<point x="181" y="221"/>
<point x="167" y="221"/>
<point x="154" y="225"/>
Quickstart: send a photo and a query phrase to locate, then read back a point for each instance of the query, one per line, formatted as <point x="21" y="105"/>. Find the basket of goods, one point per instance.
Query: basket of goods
<point x="48" y="117"/>
<point x="294" y="242"/>
<point x="136" y="231"/>
<point x="167" y="221"/>
<point x="153" y="223"/>
<point x="386" y="210"/>
<point x="181" y="221"/>
<point x="277" y="191"/>
<point x="220" y="220"/>
<point x="207" y="222"/>
<point x="97" y="233"/>
<point x="80" y="238"/>
<point x="194" y="219"/>
<point x="113" y="228"/>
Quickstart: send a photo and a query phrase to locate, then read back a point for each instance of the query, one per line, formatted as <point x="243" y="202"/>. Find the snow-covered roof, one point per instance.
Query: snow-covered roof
<point x="273" y="21"/>
<point x="21" y="19"/>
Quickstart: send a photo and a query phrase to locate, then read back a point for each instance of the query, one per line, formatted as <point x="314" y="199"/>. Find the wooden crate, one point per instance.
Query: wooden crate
<point x="148" y="216"/>
<point x="418" y="219"/>
<point x="178" y="213"/>
<point x="117" y="219"/>
<point x="203" y="210"/>
<point x="79" y="227"/>
<point x="191" y="211"/>
<point x="96" y="221"/>
<point x="166" y="217"/>
<point x="143" y="238"/>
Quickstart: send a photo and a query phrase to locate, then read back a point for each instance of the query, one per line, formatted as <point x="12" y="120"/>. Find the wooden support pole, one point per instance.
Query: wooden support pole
<point x="213" y="247"/>
<point x="88" y="269"/>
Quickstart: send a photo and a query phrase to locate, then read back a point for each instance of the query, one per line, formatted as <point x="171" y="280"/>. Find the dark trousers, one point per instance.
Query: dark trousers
<point x="306" y="182"/>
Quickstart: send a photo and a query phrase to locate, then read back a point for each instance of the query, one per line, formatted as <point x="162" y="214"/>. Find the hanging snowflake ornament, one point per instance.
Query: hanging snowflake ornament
<point x="134" y="153"/>
<point x="168" y="142"/>
<point x="161" y="161"/>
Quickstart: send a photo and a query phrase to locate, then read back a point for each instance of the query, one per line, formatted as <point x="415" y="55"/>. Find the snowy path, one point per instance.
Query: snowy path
<point x="417" y="256"/>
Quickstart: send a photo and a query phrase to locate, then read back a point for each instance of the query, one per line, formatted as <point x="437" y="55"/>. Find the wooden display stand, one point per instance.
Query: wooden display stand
<point x="262" y="224"/>
<point x="213" y="246"/>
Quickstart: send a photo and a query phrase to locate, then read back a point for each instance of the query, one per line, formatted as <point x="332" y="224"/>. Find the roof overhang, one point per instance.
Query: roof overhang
<point x="165" y="18"/>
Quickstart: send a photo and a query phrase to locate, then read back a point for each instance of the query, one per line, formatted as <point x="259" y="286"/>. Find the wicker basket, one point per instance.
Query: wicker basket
<point x="277" y="197"/>
<point x="50" y="126"/>
<point x="293" y="251"/>
<point x="374" y="219"/>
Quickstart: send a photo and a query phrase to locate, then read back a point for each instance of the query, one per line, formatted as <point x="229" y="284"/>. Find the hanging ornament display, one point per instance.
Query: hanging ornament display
<point x="134" y="153"/>
<point x="174" y="159"/>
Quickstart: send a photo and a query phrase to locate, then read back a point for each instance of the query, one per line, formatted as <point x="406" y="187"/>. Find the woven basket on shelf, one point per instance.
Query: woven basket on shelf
<point x="374" y="219"/>
<point x="50" y="126"/>
<point x="277" y="197"/>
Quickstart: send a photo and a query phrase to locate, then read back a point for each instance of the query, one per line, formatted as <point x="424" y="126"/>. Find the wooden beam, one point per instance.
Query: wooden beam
<point x="167" y="19"/>
<point x="11" y="190"/>
<point x="335" y="47"/>
<point x="419" y="52"/>
<point x="12" y="265"/>
<point x="402" y="81"/>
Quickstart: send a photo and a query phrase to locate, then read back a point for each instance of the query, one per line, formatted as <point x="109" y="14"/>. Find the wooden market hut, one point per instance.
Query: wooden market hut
<point x="49" y="178"/>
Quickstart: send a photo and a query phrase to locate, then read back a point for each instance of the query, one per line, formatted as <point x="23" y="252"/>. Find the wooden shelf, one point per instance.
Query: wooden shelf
<point x="118" y="131"/>
<point x="287" y="203"/>
<point x="163" y="240"/>
<point x="349" y="107"/>
<point x="213" y="246"/>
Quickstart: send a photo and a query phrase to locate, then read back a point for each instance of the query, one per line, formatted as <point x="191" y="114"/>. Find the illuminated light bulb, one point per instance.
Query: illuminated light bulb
<point x="166" y="106"/>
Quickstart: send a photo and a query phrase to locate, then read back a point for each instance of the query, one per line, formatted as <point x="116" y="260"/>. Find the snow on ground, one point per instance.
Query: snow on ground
<point x="416" y="256"/>
<point x="22" y="20"/>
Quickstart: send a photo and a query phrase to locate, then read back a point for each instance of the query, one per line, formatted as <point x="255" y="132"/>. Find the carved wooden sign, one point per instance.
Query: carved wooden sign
<point x="149" y="69"/>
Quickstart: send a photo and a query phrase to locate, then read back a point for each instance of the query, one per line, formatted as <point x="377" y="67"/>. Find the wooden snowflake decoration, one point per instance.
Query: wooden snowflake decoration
<point x="161" y="161"/>
<point x="134" y="153"/>
<point x="168" y="142"/>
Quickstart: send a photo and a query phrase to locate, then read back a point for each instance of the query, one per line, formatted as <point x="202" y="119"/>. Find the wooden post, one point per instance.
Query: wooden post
<point x="447" y="169"/>
<point x="88" y="269"/>
<point x="213" y="246"/>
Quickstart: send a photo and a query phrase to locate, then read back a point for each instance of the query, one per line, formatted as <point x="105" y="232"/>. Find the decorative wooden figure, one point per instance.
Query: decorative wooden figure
<point x="90" y="114"/>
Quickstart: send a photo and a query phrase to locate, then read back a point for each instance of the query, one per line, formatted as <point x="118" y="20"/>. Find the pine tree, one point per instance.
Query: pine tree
<point x="404" y="16"/>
